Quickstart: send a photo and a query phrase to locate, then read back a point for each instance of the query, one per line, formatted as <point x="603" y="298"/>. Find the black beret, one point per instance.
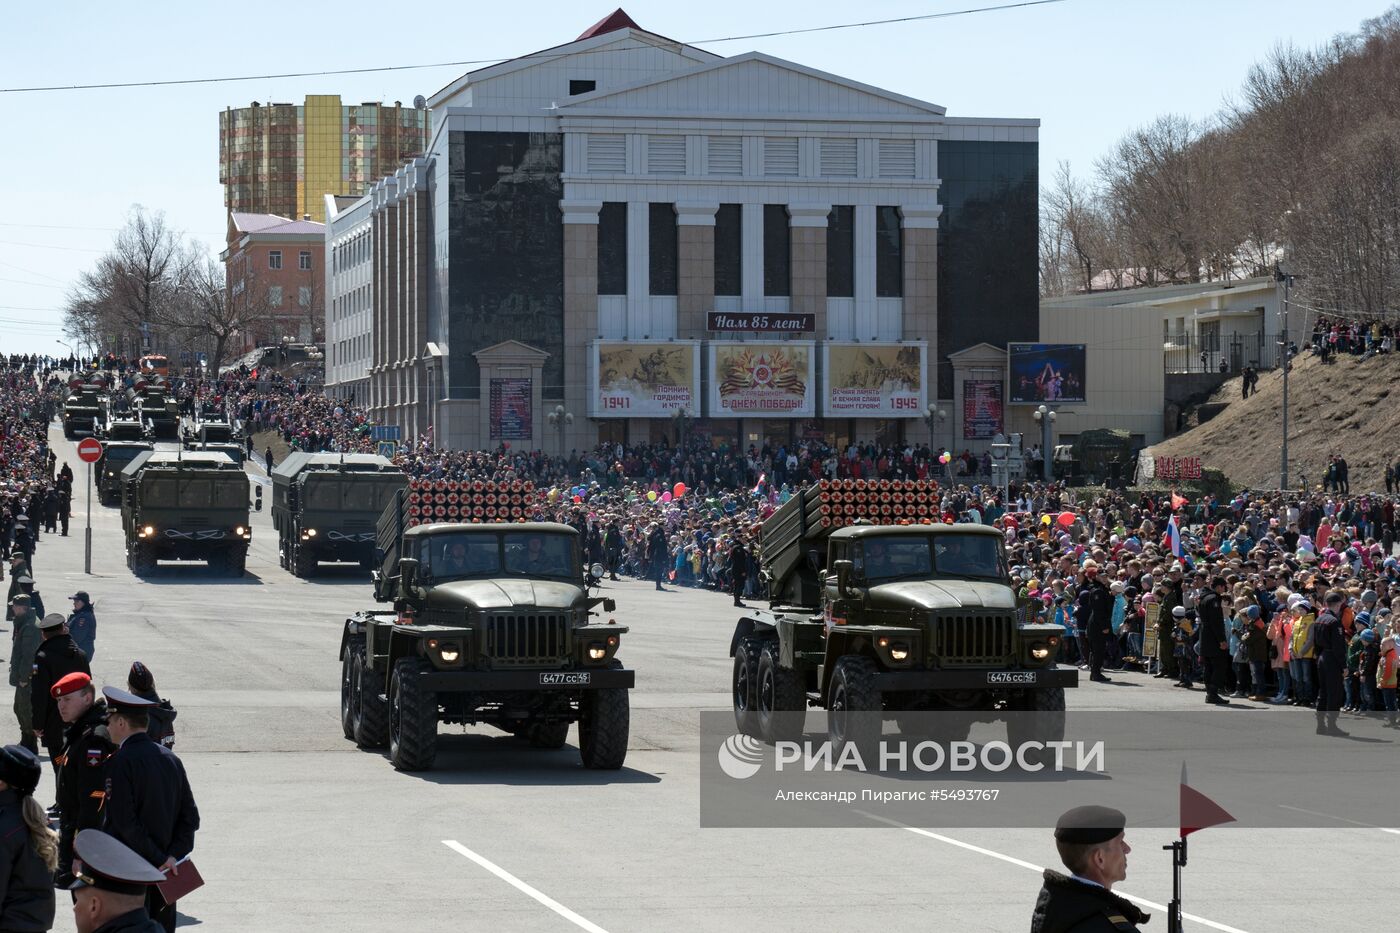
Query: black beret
<point x="1089" y="825"/>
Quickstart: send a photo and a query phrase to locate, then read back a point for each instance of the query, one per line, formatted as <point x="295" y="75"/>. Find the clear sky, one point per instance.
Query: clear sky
<point x="72" y="163"/>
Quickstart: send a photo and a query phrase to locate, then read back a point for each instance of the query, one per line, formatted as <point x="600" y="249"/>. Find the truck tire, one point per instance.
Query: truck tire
<point x="369" y="713"/>
<point x="238" y="564"/>
<point x="546" y="734"/>
<point x="781" y="708"/>
<point x="143" y="560"/>
<point x="603" y="726"/>
<point x="303" y="563"/>
<point x="347" y="693"/>
<point x="855" y="708"/>
<point x="746" y="684"/>
<point x="412" y="718"/>
<point x="1038" y="717"/>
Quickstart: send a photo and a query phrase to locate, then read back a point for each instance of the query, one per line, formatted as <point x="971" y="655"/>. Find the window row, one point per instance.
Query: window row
<point x="350" y="252"/>
<point x="352" y="302"/>
<point x="350" y="350"/>
<point x="772" y="156"/>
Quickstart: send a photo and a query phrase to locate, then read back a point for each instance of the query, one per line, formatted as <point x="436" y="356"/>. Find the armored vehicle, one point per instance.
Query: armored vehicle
<point x="85" y="407"/>
<point x="186" y="506"/>
<point x="153" y="401"/>
<point x="880" y="621"/>
<point x="123" y="429"/>
<point x="325" y="507"/>
<point x="115" y="457"/>
<point x="491" y="623"/>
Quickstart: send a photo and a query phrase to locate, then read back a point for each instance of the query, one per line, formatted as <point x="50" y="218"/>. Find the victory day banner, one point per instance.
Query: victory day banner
<point x="875" y="380"/>
<point x="644" y="380"/>
<point x="761" y="380"/>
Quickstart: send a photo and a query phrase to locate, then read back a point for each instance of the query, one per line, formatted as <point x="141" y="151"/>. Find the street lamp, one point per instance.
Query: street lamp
<point x="1284" y="273"/>
<point x="1046" y="417"/>
<point x="682" y="419"/>
<point x="561" y="419"/>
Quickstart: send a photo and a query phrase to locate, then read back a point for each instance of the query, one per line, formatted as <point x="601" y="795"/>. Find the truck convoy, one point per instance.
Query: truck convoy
<point x="325" y="507"/>
<point x="491" y="623"/>
<point x="86" y="405"/>
<point x="186" y="506"/>
<point x="213" y="432"/>
<point x="153" y="401"/>
<point x="880" y="611"/>
<point x="115" y="457"/>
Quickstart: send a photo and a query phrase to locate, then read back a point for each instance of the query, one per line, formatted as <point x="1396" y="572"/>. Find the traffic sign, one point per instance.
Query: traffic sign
<point x="90" y="450"/>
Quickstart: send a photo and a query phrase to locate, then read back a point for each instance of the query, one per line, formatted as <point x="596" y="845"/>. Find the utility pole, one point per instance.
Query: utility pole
<point x="1282" y="274"/>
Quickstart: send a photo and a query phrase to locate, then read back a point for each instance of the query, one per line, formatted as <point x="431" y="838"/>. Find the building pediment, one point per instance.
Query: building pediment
<point x="510" y="351"/>
<point x="979" y="353"/>
<point x="756" y="83"/>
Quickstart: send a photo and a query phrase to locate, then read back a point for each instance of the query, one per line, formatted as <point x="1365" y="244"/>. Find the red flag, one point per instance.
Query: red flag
<point x="1197" y="810"/>
<point x="1178" y="501"/>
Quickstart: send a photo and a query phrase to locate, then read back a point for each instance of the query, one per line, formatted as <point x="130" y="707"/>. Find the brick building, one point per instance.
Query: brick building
<point x="275" y="273"/>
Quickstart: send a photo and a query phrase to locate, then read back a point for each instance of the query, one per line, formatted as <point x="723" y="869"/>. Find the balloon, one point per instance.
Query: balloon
<point x="665" y="497"/>
<point x="505" y="444"/>
<point x="651" y="495"/>
<point x="578" y="498"/>
<point x="553" y="494"/>
<point x="1045" y="519"/>
<point x="679" y="490"/>
<point x="1066" y="519"/>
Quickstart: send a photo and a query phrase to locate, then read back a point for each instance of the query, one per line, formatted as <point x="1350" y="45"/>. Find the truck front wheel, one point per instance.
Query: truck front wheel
<point x="546" y="734"/>
<point x="143" y="560"/>
<point x="782" y="701"/>
<point x="746" y="684"/>
<point x="347" y="694"/>
<point x="603" y="726"/>
<point x="303" y="563"/>
<point x="412" y="718"/>
<point x="855" y="708"/>
<point x="369" y="713"/>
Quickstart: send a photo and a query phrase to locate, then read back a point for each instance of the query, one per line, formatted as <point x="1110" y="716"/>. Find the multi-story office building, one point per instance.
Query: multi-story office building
<point x="658" y="239"/>
<point x="284" y="158"/>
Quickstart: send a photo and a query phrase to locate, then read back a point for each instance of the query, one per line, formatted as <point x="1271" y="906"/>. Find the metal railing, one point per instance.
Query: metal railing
<point x="1205" y="354"/>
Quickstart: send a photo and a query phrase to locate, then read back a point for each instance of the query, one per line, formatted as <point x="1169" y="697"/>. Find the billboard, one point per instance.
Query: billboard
<point x="982" y="410"/>
<point x="1045" y="372"/>
<point x="868" y="380"/>
<point x="512" y="409"/>
<point x="762" y="380"/>
<point x="644" y="380"/>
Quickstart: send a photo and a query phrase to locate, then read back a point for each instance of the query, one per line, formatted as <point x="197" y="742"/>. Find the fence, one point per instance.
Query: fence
<point x="1206" y="353"/>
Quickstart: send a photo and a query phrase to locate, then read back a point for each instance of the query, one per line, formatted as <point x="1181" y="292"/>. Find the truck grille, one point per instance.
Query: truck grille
<point x="528" y="640"/>
<point x="972" y="640"/>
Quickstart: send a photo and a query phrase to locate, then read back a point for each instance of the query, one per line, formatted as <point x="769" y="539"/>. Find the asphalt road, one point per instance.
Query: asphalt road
<point x="302" y="831"/>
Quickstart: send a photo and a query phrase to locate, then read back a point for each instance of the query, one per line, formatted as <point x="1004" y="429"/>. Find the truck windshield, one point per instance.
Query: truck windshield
<point x="953" y="555"/>
<point x="537" y="554"/>
<point x="464" y="554"/>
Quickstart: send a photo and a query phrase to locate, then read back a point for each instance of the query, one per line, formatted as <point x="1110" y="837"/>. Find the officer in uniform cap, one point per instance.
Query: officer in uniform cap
<point x="57" y="657"/>
<point x="110" y="886"/>
<point x="82" y="784"/>
<point x="149" y="805"/>
<point x="1090" y="842"/>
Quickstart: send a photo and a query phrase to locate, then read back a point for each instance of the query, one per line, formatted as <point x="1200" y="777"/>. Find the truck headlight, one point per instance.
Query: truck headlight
<point x="147" y="531"/>
<point x="597" y="651"/>
<point x="239" y="530"/>
<point x="899" y="652"/>
<point x="450" y="653"/>
<point x="1040" y="651"/>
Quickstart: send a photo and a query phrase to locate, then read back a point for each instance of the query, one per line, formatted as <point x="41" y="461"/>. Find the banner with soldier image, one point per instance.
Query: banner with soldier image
<point x="867" y="380"/>
<point x="768" y="379"/>
<point x="644" y="380"/>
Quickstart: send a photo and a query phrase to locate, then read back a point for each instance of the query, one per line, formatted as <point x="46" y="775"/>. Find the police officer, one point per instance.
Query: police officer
<point x="738" y="569"/>
<point x="149" y="804"/>
<point x="1091" y="845"/>
<point x="82" y="785"/>
<point x="56" y="658"/>
<point x="110" y="894"/>
<point x="1330" y="643"/>
<point x="1215" y="647"/>
<point x="1099" y="603"/>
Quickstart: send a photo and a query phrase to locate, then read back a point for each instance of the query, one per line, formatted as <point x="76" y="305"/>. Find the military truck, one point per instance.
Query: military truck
<point x="122" y="429"/>
<point x="153" y="401"/>
<point x="186" y="506"/>
<point x="325" y="507"/>
<point x="880" y="611"/>
<point x="115" y="457"/>
<point x="491" y="623"/>
<point x="85" y="407"/>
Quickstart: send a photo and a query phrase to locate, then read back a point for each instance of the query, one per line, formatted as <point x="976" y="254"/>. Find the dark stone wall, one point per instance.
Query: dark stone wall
<point x="988" y="235"/>
<point x="505" y="252"/>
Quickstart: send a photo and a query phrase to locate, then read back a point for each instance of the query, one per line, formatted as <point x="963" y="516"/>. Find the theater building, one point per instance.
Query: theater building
<point x="663" y="241"/>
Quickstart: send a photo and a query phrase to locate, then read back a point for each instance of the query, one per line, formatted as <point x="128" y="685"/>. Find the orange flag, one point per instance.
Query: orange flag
<point x="1178" y="501"/>
<point x="1197" y="810"/>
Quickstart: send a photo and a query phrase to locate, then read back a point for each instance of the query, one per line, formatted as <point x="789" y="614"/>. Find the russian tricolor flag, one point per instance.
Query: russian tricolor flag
<point x="1173" y="542"/>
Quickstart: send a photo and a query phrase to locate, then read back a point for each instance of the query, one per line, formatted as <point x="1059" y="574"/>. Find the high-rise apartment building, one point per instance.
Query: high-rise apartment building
<point x="284" y="158"/>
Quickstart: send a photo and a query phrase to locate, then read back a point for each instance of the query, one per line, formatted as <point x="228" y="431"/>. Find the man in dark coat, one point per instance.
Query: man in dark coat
<point x="27" y="884"/>
<point x="57" y="657"/>
<point x="1330" y="643"/>
<point x="1091" y="845"/>
<point x="1098" y="619"/>
<point x="657" y="552"/>
<point x="110" y="896"/>
<point x="82" y="783"/>
<point x="149" y="805"/>
<point x="738" y="570"/>
<point x="1215" y="645"/>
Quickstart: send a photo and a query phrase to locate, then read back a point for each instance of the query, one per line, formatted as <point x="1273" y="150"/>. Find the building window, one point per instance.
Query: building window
<point x="726" y="155"/>
<point x="274" y="296"/>
<point x="729" y="249"/>
<point x="304" y="296"/>
<point x="841" y="252"/>
<point x="838" y="157"/>
<point x="896" y="158"/>
<point x="664" y="249"/>
<point x="665" y="155"/>
<point x="889" y="253"/>
<point x="612" y="248"/>
<point x="581" y="86"/>
<point x="780" y="155"/>
<point x="274" y="259"/>
<point x="607" y="153"/>
<point x="777" y="251"/>
<point x="304" y="260"/>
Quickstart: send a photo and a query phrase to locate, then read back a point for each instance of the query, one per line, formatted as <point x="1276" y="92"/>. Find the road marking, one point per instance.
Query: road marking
<point x="1223" y="928"/>
<point x="1339" y="819"/>
<point x="508" y="878"/>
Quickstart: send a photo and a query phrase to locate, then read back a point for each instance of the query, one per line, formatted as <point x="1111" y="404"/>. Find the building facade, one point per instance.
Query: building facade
<point x="284" y="158"/>
<point x="349" y="296"/>
<point x="665" y="242"/>
<point x="275" y="274"/>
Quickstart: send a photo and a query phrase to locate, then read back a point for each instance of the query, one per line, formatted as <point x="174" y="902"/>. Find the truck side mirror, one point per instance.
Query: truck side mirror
<point x="843" y="570"/>
<point x="408" y="571"/>
<point x="609" y="604"/>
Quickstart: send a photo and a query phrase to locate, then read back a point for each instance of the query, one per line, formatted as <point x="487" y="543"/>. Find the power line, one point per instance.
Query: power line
<point x="66" y="249"/>
<point x="533" y="57"/>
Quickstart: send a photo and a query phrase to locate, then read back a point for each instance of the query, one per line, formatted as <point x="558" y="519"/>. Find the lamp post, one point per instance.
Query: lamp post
<point x="682" y="419"/>
<point x="1046" y="417"/>
<point x="934" y="417"/>
<point x="561" y="419"/>
<point x="1284" y="274"/>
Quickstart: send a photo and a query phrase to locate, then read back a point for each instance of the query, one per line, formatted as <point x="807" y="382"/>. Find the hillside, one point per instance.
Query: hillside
<point x="1334" y="408"/>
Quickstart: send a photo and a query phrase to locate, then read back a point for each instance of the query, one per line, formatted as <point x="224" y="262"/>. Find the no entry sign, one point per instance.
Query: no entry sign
<point x="90" y="450"/>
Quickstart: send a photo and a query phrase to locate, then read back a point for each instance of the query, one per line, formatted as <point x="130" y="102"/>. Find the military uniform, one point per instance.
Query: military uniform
<point x="108" y="865"/>
<point x="82" y="781"/>
<point x="57" y="657"/>
<point x="1068" y="905"/>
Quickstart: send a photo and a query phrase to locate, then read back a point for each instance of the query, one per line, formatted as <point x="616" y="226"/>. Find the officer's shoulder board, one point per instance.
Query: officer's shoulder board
<point x="1121" y="922"/>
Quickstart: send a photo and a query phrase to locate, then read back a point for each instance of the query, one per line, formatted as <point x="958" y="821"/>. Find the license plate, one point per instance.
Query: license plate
<point x="566" y="679"/>
<point x="1011" y="677"/>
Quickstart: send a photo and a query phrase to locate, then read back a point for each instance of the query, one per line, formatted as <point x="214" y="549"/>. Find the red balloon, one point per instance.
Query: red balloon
<point x="678" y="490"/>
<point x="578" y="498"/>
<point x="1066" y="519"/>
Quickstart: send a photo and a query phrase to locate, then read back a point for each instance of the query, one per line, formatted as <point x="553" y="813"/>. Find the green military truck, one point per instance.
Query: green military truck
<point x="896" y="620"/>
<point x="115" y="457"/>
<point x="153" y="401"/>
<point x="85" y="407"/>
<point x="325" y="507"/>
<point x="186" y="506"/>
<point x="491" y="623"/>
